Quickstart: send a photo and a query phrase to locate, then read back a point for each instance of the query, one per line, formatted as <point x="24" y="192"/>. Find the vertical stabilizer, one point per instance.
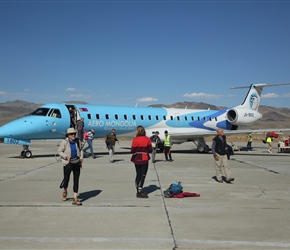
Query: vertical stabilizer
<point x="252" y="100"/>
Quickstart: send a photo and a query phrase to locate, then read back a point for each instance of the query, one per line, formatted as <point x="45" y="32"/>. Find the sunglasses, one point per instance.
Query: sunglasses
<point x="72" y="134"/>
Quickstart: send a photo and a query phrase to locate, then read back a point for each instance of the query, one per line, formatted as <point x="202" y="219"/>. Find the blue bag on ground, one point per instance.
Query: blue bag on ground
<point x="174" y="188"/>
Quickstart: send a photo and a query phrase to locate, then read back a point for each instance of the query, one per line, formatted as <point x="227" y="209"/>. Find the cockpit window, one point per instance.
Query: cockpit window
<point x="54" y="113"/>
<point x="40" y="112"/>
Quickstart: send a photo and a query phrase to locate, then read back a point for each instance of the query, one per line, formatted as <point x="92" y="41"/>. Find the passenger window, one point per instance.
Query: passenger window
<point x="164" y="118"/>
<point x="134" y="117"/>
<point x="142" y="117"/>
<point x="107" y="116"/>
<point x="157" y="118"/>
<point x="116" y="117"/>
<point x="125" y="117"/>
<point x="89" y="116"/>
<point x="149" y="117"/>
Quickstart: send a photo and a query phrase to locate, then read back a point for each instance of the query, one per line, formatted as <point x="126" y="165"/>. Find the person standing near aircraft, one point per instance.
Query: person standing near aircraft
<point x="80" y="128"/>
<point x="111" y="142"/>
<point x="219" y="150"/>
<point x="141" y="149"/>
<point x="72" y="117"/>
<point x="72" y="158"/>
<point x="269" y="140"/>
<point x="155" y="140"/>
<point x="91" y="134"/>
<point x="167" y="146"/>
<point x="249" y="143"/>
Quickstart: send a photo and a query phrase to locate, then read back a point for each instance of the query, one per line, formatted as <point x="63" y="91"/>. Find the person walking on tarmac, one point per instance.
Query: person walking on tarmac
<point x="219" y="148"/>
<point x="167" y="146"/>
<point x="155" y="140"/>
<point x="269" y="140"/>
<point x="72" y="157"/>
<point x="110" y="141"/>
<point x="249" y="143"/>
<point x="141" y="149"/>
<point x="90" y="139"/>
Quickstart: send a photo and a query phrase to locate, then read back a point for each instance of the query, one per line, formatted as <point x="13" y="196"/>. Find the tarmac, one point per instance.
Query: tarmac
<point x="251" y="213"/>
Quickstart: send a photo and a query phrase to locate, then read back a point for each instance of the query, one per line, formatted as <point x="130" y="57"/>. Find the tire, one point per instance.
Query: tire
<point x="28" y="154"/>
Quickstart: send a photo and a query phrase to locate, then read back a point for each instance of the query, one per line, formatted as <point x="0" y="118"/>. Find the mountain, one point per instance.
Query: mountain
<point x="272" y="117"/>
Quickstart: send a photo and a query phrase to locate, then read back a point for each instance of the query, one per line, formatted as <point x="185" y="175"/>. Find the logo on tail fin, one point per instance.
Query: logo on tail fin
<point x="254" y="101"/>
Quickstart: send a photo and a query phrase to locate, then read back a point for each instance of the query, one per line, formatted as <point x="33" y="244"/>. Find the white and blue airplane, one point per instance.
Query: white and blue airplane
<point x="51" y="121"/>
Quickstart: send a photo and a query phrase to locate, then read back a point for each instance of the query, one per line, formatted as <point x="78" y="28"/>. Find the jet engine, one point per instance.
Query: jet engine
<point x="242" y="116"/>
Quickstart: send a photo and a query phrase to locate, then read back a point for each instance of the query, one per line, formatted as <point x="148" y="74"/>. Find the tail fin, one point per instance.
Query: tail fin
<point x="252" y="100"/>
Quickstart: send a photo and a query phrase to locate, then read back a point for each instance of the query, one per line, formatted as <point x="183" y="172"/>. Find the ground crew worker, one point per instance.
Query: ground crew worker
<point x="249" y="144"/>
<point x="167" y="146"/>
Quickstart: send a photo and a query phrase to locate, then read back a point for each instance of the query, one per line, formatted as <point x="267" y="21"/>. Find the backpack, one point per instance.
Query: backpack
<point x="86" y="135"/>
<point x="174" y="188"/>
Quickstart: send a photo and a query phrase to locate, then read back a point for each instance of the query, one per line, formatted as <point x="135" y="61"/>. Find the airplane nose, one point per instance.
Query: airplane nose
<point x="5" y="131"/>
<point x="15" y="129"/>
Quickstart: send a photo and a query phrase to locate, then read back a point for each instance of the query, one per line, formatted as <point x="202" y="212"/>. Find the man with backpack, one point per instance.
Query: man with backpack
<point x="90" y="135"/>
<point x="80" y="128"/>
<point x="155" y="140"/>
<point x="110" y="141"/>
<point x="219" y="151"/>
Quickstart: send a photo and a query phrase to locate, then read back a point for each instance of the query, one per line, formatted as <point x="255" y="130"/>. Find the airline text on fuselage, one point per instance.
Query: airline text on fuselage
<point x="112" y="124"/>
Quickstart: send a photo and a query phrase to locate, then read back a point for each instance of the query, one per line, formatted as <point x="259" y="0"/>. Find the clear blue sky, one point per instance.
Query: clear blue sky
<point x="145" y="52"/>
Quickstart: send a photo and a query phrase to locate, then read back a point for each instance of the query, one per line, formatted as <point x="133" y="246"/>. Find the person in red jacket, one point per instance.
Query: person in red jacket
<point x="141" y="149"/>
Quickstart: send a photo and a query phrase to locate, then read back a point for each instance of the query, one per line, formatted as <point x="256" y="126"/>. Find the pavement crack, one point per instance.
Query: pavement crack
<point x="166" y="210"/>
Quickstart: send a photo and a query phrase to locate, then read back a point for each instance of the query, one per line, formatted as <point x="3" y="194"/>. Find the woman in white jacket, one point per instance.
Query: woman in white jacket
<point x="72" y="158"/>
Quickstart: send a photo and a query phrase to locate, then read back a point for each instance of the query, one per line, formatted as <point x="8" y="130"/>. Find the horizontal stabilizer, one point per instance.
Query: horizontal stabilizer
<point x="263" y="85"/>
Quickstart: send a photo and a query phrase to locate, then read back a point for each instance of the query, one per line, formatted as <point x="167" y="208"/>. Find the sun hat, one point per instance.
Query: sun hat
<point x="71" y="131"/>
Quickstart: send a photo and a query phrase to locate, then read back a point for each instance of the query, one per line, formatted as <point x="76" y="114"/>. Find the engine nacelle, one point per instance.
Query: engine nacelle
<point x="243" y="116"/>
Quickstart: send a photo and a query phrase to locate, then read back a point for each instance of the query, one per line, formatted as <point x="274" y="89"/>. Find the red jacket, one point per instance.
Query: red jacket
<point x="141" y="148"/>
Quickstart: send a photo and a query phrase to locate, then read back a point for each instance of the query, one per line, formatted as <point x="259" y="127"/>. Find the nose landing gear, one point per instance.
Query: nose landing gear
<point x="26" y="153"/>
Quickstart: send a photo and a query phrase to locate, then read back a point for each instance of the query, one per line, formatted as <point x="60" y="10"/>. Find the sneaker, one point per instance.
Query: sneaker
<point x="141" y="195"/>
<point x="64" y="195"/>
<point x="230" y="179"/>
<point x="220" y="181"/>
<point x="76" y="202"/>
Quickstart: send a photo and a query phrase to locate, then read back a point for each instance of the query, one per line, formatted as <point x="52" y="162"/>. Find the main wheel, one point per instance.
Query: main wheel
<point x="28" y="154"/>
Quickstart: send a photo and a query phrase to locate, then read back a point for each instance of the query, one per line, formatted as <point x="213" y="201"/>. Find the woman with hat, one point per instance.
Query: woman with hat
<point x="72" y="157"/>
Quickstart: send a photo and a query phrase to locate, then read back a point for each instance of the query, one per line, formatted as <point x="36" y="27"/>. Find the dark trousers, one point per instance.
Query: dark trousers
<point x="76" y="169"/>
<point x="167" y="153"/>
<point x="141" y="171"/>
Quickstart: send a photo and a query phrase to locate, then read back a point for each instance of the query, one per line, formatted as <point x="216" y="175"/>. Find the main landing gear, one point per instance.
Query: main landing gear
<point x="202" y="147"/>
<point x="26" y="153"/>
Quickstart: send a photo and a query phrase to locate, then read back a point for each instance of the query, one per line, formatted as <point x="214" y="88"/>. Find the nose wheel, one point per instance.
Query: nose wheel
<point x="26" y="153"/>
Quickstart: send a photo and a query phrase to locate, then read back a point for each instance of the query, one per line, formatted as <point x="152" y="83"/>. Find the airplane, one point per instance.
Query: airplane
<point x="51" y="121"/>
